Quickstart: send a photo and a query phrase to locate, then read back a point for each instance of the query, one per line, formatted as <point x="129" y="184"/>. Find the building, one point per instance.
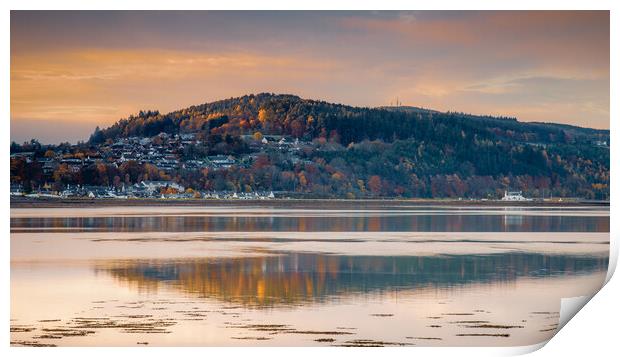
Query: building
<point x="221" y="161"/>
<point x="27" y="156"/>
<point x="514" y="196"/>
<point x="17" y="189"/>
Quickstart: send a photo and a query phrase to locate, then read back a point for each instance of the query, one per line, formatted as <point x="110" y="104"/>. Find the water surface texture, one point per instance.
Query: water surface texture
<point x="394" y="275"/>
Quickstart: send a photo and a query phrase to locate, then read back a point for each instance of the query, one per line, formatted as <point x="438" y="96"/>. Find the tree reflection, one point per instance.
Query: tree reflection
<point x="301" y="278"/>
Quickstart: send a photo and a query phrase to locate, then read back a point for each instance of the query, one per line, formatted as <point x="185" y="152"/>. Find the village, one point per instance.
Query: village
<point x="167" y="153"/>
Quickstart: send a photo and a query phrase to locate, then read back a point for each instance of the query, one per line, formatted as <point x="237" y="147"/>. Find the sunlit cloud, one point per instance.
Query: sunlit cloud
<point x="75" y="84"/>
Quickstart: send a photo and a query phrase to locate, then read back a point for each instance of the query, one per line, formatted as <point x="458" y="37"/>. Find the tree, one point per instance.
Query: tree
<point x="374" y="184"/>
<point x="264" y="115"/>
<point x="97" y="136"/>
<point x="63" y="174"/>
<point x="297" y="128"/>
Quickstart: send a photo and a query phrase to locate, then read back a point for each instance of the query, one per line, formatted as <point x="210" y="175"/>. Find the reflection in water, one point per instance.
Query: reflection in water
<point x="513" y="220"/>
<point x="427" y="222"/>
<point x="298" y="278"/>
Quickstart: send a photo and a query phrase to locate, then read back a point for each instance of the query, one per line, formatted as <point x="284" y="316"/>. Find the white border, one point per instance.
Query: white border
<point x="592" y="331"/>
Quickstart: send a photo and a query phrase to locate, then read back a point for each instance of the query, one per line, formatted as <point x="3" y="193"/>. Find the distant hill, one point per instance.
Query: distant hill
<point x="409" y="109"/>
<point x="571" y="129"/>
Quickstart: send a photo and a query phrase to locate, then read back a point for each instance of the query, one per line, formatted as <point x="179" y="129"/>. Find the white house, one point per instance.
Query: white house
<point x="514" y="196"/>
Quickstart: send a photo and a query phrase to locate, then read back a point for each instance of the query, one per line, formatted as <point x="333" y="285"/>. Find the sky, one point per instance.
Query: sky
<point x="74" y="70"/>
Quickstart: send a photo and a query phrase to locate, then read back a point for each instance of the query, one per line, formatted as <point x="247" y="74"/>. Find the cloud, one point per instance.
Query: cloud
<point x="97" y="67"/>
<point x="74" y="84"/>
<point x="582" y="102"/>
<point x="578" y="40"/>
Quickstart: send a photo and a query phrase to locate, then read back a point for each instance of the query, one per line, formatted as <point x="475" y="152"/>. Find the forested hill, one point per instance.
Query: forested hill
<point x="309" y="119"/>
<point x="308" y="148"/>
<point x="388" y="151"/>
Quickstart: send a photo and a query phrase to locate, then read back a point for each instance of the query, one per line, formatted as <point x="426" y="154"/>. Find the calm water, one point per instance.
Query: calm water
<point x="263" y="276"/>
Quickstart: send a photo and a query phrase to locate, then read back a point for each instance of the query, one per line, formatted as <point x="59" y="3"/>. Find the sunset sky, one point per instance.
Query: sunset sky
<point x="72" y="71"/>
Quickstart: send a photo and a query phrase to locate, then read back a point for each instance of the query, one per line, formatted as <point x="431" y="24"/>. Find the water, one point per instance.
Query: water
<point x="377" y="275"/>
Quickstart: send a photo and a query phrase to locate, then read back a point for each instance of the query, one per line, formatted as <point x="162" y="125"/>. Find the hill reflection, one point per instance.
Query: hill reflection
<point x="301" y="278"/>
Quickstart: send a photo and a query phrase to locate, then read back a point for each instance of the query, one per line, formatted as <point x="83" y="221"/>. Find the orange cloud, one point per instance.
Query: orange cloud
<point x="74" y="84"/>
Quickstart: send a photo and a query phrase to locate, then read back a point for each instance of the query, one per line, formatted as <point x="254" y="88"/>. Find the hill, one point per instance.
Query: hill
<point x="303" y="118"/>
<point x="346" y="151"/>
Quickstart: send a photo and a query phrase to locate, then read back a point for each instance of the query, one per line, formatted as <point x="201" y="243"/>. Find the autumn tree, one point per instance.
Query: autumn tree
<point x="374" y="184"/>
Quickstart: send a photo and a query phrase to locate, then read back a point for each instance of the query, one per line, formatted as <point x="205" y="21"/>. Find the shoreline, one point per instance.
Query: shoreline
<point x="22" y="202"/>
